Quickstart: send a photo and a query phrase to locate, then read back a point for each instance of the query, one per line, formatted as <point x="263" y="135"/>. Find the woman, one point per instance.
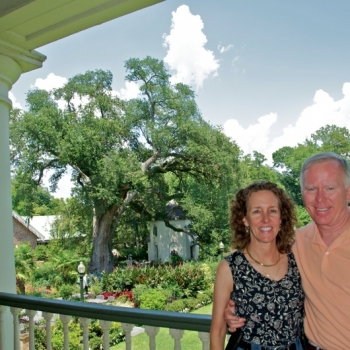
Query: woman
<point x="261" y="276"/>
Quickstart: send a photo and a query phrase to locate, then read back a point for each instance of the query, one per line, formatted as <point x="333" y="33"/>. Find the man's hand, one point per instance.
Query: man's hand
<point x="233" y="322"/>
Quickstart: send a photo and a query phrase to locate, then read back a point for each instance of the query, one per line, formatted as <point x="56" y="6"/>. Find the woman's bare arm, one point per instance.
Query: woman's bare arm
<point x="222" y="290"/>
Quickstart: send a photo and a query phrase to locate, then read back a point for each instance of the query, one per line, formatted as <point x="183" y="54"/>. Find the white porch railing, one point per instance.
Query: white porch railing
<point x="128" y="317"/>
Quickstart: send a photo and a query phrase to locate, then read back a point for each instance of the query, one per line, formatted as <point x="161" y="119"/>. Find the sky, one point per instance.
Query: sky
<point x="270" y="72"/>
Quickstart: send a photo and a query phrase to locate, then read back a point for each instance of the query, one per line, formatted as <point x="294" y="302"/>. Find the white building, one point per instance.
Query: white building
<point x="164" y="240"/>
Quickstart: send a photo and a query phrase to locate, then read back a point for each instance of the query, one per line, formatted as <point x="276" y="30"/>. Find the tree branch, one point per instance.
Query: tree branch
<point x="149" y="161"/>
<point x="82" y="174"/>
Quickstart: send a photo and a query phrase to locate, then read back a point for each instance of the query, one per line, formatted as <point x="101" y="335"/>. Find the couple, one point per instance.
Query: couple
<point x="269" y="268"/>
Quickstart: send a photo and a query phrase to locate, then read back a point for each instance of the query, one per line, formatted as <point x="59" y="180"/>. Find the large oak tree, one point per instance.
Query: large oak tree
<point x="118" y="151"/>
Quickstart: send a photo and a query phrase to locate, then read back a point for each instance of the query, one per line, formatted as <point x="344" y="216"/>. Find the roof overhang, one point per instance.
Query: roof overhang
<point x="28" y="24"/>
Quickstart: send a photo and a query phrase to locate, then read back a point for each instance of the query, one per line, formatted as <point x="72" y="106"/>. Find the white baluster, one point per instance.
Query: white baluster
<point x="177" y="334"/>
<point x="15" y="311"/>
<point x="85" y="323"/>
<point x="65" y="320"/>
<point x="152" y="332"/>
<point x="2" y="332"/>
<point x="127" y="327"/>
<point x="31" y="314"/>
<point x="105" y="325"/>
<point x="48" y="317"/>
<point x="204" y="337"/>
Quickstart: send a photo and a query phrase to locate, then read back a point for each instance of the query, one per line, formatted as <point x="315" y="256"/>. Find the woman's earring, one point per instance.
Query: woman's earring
<point x="247" y="229"/>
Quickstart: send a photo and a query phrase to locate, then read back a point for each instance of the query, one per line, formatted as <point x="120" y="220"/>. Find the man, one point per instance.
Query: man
<point x="86" y="283"/>
<point x="322" y="252"/>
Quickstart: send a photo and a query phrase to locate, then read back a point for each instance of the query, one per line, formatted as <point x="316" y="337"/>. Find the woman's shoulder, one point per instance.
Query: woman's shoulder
<point x="233" y="255"/>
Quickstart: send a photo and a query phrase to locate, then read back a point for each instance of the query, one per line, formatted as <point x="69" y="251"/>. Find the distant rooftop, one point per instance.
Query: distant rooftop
<point x="43" y="225"/>
<point x="174" y="211"/>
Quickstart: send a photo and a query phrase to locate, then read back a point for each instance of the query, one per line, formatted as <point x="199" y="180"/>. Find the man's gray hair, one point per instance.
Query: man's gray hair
<point x="323" y="157"/>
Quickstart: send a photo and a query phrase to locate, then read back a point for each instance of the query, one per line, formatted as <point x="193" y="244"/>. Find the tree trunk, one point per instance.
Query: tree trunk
<point x="102" y="257"/>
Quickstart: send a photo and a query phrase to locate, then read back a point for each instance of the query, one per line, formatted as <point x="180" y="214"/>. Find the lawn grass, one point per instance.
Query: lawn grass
<point x="164" y="340"/>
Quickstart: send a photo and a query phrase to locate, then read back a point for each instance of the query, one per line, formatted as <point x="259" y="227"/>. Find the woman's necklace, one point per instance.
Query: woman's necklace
<point x="265" y="265"/>
<point x="272" y="278"/>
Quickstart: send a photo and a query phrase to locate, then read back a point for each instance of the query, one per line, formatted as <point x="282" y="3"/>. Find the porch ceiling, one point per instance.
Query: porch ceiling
<point x="29" y="24"/>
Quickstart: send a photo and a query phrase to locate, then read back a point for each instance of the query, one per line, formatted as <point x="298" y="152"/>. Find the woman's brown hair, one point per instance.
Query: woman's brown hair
<point x="238" y="210"/>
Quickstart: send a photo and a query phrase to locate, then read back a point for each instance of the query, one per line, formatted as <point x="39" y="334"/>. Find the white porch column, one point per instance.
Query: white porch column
<point x="9" y="73"/>
<point x="13" y="62"/>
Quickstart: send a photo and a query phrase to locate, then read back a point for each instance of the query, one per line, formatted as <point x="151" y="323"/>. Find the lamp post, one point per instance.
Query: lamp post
<point x="81" y="270"/>
<point x="221" y="247"/>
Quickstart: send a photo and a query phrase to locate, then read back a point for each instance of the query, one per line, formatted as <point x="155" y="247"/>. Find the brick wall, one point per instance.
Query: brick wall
<point x="22" y="234"/>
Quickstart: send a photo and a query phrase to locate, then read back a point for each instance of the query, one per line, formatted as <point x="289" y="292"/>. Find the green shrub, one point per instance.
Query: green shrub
<point x="116" y="334"/>
<point x="75" y="334"/>
<point x="176" y="260"/>
<point x="40" y="252"/>
<point x="96" y="288"/>
<point x="191" y="303"/>
<point x="183" y="280"/>
<point x="152" y="300"/>
<point x="137" y="291"/>
<point x="122" y="299"/>
<point x="204" y="298"/>
<point x="66" y="291"/>
<point x="168" y="293"/>
<point x="40" y="338"/>
<point x="177" y="306"/>
<point x="137" y="254"/>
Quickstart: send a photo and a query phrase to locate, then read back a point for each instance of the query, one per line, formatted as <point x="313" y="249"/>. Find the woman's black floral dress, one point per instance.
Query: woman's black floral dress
<point x="274" y="310"/>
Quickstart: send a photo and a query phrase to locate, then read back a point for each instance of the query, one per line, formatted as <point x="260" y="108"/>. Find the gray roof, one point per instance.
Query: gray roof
<point x="30" y="227"/>
<point x="174" y="211"/>
<point x="42" y="224"/>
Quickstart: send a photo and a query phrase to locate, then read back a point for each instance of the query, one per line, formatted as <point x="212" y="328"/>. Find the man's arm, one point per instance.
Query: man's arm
<point x="233" y="322"/>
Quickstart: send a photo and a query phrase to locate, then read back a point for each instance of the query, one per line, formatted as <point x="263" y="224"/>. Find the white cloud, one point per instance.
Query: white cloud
<point x="254" y="137"/>
<point x="52" y="81"/>
<point x="13" y="98"/>
<point x="131" y="91"/>
<point x="223" y="49"/>
<point x="324" y="111"/>
<point x="186" y="52"/>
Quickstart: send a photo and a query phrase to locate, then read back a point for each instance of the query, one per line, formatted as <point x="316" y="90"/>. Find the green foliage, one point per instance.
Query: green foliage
<point x="204" y="298"/>
<point x="24" y="265"/>
<point x="40" y="337"/>
<point x="66" y="292"/>
<point x="303" y="216"/>
<point x="176" y="260"/>
<point x="188" y="304"/>
<point x="137" y="291"/>
<point x="64" y="262"/>
<point x="96" y="287"/>
<point x="138" y="254"/>
<point x="116" y="334"/>
<point x="176" y="306"/>
<point x="114" y="169"/>
<point x="40" y="252"/>
<point x="186" y="279"/>
<point x="75" y="334"/>
<point x="119" y="280"/>
<point x="254" y="169"/>
<point x="152" y="300"/>
<point x="28" y="200"/>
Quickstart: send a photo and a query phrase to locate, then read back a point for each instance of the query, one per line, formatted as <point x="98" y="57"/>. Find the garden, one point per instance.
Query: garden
<point x="177" y="287"/>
